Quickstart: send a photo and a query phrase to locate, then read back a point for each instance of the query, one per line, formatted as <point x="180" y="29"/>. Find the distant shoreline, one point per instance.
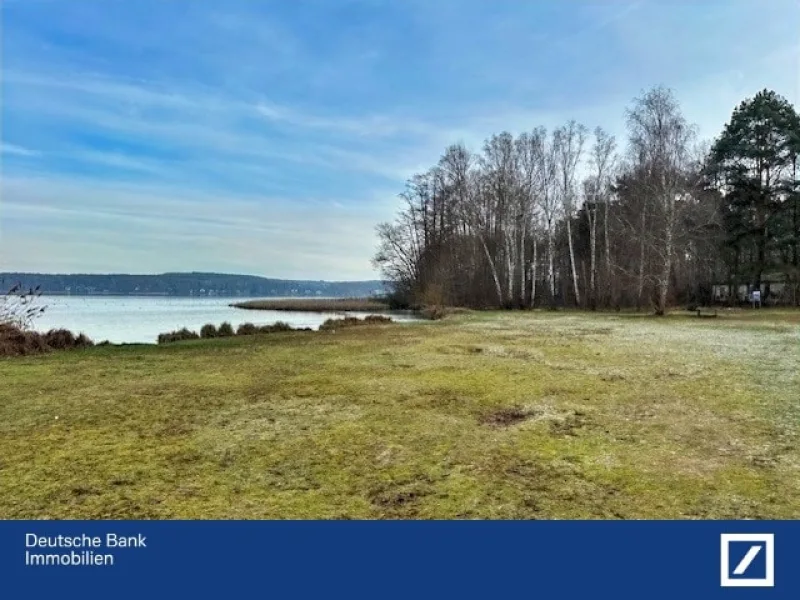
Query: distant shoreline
<point x="187" y="285"/>
<point x="316" y="305"/>
<point x="159" y="295"/>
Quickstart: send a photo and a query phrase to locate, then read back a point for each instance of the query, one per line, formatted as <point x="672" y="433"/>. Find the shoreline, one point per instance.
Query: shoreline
<point x="316" y="305"/>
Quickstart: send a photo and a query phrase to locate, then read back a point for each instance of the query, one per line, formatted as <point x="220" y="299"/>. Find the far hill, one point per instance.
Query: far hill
<point x="188" y="284"/>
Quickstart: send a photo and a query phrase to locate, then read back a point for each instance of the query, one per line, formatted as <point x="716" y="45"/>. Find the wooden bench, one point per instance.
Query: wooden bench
<point x="707" y="313"/>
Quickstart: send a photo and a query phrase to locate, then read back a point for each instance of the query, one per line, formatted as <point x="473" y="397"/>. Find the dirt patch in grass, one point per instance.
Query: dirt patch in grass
<point x="401" y="497"/>
<point x="506" y="416"/>
<point x="494" y="350"/>
<point x="560" y="421"/>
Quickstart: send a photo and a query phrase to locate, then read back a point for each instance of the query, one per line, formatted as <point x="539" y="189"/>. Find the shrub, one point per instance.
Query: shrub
<point x="59" y="339"/>
<point x="276" y="327"/>
<point x="377" y="320"/>
<point x="333" y="324"/>
<point x="15" y="341"/>
<point x="225" y="330"/>
<point x="82" y="341"/>
<point x="208" y="331"/>
<point x="246" y="329"/>
<point x="434" y="313"/>
<point x="177" y="336"/>
<point x="280" y="326"/>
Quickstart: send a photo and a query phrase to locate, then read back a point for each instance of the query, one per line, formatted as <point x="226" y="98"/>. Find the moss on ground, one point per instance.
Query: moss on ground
<point x="483" y="415"/>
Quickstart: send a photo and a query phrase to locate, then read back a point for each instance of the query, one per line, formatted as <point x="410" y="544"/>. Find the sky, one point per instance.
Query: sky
<point x="270" y="137"/>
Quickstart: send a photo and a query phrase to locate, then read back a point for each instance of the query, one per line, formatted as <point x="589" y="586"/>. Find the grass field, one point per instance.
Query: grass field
<point x="483" y="415"/>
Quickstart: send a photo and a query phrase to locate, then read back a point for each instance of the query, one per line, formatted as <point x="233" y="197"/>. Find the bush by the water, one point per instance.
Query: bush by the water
<point x="246" y="329"/>
<point x="435" y="312"/>
<point x="226" y="330"/>
<point x="63" y="339"/>
<point x="15" y="341"/>
<point x="334" y="324"/>
<point x="208" y="331"/>
<point x="177" y="336"/>
<point x="276" y="327"/>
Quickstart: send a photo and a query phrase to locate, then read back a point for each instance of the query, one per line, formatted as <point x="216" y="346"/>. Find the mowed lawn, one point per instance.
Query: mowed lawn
<point x="516" y="415"/>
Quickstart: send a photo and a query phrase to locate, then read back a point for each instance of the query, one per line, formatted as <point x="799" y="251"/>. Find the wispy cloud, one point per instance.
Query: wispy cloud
<point x="17" y="150"/>
<point x="272" y="136"/>
<point x="183" y="230"/>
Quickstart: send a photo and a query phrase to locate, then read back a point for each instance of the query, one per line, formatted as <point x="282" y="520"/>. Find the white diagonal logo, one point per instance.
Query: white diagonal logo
<point x="746" y="560"/>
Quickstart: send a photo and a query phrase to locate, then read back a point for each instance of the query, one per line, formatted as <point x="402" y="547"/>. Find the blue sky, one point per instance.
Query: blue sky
<point x="269" y="137"/>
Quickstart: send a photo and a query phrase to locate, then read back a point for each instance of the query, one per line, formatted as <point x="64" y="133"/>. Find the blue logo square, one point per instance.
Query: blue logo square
<point x="747" y="560"/>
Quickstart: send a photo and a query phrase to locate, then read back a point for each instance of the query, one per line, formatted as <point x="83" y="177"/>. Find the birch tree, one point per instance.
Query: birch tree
<point x="531" y="149"/>
<point x="597" y="194"/>
<point x="569" y="141"/>
<point x="660" y="138"/>
<point x="550" y="208"/>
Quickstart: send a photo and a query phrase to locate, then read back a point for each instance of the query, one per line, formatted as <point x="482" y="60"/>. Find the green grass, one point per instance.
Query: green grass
<point x="482" y="415"/>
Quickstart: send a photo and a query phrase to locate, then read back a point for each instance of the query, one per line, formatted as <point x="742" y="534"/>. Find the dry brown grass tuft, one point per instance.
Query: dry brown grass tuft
<point x="15" y="341"/>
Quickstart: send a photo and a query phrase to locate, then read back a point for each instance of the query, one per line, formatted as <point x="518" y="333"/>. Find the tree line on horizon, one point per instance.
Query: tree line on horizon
<point x="185" y="284"/>
<point x="571" y="218"/>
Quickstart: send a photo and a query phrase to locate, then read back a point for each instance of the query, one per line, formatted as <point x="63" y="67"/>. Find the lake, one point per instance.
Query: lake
<point x="139" y="320"/>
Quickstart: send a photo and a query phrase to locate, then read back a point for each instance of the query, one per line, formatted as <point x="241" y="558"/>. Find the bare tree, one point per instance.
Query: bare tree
<point x="499" y="227"/>
<point x="480" y="213"/>
<point x="569" y="141"/>
<point x="659" y="139"/>
<point x="550" y="208"/>
<point x="531" y="148"/>
<point x="501" y="189"/>
<point x="597" y="189"/>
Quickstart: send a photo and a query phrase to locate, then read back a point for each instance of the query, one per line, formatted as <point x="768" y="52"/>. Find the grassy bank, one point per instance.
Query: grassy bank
<point x="316" y="305"/>
<point x="482" y="415"/>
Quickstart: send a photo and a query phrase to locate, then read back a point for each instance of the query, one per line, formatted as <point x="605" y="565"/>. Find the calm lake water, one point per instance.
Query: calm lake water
<point x="128" y="320"/>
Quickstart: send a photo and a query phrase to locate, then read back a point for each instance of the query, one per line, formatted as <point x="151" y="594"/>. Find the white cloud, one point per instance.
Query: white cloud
<point x="17" y="150"/>
<point x="170" y="229"/>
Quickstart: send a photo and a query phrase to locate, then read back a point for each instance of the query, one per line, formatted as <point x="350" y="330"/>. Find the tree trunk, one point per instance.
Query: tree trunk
<point x="666" y="270"/>
<point x="592" y="256"/>
<point x="608" y="276"/>
<point x="551" y="269"/>
<point x="509" y="270"/>
<point x="640" y="283"/>
<point x="533" y="273"/>
<point x="492" y="267"/>
<point x="572" y="262"/>
<point x="521" y="256"/>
